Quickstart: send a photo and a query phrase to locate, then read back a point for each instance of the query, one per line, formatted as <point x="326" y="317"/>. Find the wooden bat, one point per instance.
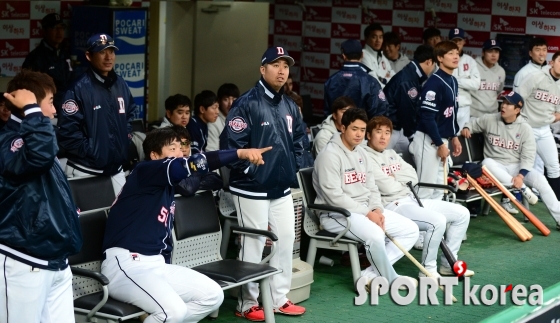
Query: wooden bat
<point x="511" y="222"/>
<point x="414" y="261"/>
<point x="528" y="214"/>
<point x="445" y="171"/>
<point x="442" y="245"/>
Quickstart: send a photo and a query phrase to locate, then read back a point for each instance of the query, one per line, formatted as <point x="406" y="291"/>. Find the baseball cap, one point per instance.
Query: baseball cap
<point x="456" y="33"/>
<point x="99" y="42"/>
<point x="491" y="43"/>
<point x="274" y="53"/>
<point x="51" y="20"/>
<point x="351" y="46"/>
<point x="514" y="98"/>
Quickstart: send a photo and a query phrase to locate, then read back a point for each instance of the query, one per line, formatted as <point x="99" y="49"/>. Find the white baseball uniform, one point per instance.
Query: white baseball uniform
<point x="391" y="174"/>
<point x="468" y="80"/>
<point x="379" y="64"/>
<point x="344" y="178"/>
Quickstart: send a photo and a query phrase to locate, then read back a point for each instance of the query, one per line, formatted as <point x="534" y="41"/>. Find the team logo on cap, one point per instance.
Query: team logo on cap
<point x="412" y="93"/>
<point x="430" y="95"/>
<point x="237" y="124"/>
<point x="70" y="107"/>
<point x="16" y="145"/>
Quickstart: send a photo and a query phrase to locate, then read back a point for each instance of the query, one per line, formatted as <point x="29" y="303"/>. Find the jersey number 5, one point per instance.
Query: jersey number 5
<point x="448" y="112"/>
<point x="162" y="217"/>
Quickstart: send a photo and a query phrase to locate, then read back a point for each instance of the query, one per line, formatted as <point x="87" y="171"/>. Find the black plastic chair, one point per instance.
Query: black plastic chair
<point x="92" y="192"/>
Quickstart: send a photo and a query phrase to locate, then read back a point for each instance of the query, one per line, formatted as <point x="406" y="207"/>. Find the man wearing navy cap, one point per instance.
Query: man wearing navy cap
<point x="354" y="81"/>
<point x="51" y="58"/>
<point x="263" y="117"/>
<point x="95" y="117"/>
<point x="467" y="75"/>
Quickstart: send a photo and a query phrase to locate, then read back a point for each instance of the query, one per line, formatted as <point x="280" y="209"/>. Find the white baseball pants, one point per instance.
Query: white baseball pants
<point x="399" y="143"/>
<point x="428" y="165"/>
<point x="380" y="251"/>
<point x="169" y="293"/>
<point x="278" y="214"/>
<point x="504" y="173"/>
<point x="29" y="296"/>
<point x="463" y="115"/>
<point x="433" y="219"/>
<point x="546" y="149"/>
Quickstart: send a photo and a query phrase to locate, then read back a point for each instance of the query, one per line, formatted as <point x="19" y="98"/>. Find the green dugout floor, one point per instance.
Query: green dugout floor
<point x="492" y="250"/>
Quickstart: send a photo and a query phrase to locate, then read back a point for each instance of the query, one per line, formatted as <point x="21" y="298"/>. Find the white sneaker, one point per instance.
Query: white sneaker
<point x="529" y="195"/>
<point x="446" y="271"/>
<point x="419" y="245"/>
<point x="435" y="276"/>
<point x="506" y="203"/>
<point x="370" y="274"/>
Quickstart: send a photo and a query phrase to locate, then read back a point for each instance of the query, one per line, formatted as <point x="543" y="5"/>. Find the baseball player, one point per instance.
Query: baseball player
<point x="402" y="93"/>
<point x="492" y="78"/>
<point x="263" y="117"/>
<point x="509" y="151"/>
<point x="227" y="93"/>
<point x="538" y="49"/>
<point x="138" y="243"/>
<point x="354" y="81"/>
<point x="177" y="111"/>
<point x="373" y="55"/>
<point x="392" y="50"/>
<point x="95" y="123"/>
<point x="467" y="75"/>
<point x="331" y="124"/>
<point x="431" y="36"/>
<point x="391" y="174"/>
<point x="437" y="121"/>
<point x="205" y="111"/>
<point x="542" y="108"/>
<point x="343" y="177"/>
<point x="40" y="226"/>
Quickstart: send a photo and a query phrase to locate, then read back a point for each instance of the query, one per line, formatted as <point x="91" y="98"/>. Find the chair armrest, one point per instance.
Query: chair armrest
<point x="439" y="186"/>
<point x="268" y="234"/>
<point x="329" y="208"/>
<point x="99" y="277"/>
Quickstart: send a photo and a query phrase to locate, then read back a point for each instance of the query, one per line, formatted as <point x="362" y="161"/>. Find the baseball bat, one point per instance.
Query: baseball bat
<point x="415" y="262"/>
<point x="445" y="171"/>
<point x="528" y="214"/>
<point x="442" y="245"/>
<point x="510" y="221"/>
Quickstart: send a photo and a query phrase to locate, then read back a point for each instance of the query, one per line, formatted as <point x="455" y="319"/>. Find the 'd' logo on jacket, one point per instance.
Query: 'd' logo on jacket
<point x="354" y="177"/>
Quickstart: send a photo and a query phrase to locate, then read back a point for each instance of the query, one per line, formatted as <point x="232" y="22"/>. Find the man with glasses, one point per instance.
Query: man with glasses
<point x="50" y="56"/>
<point x="95" y="117"/>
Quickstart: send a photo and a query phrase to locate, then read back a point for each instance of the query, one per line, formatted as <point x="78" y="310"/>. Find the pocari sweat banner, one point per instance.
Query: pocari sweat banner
<point x="130" y="37"/>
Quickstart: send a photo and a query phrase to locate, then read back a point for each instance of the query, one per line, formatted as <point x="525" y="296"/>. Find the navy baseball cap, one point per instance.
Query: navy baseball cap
<point x="351" y="46"/>
<point x="99" y="42"/>
<point x="514" y="98"/>
<point x="490" y="44"/>
<point x="51" y="20"/>
<point x="456" y="33"/>
<point x="274" y="53"/>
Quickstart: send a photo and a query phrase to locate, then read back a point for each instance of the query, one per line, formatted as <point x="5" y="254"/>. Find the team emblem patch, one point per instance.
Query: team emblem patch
<point x="360" y="160"/>
<point x="430" y="95"/>
<point x="381" y="95"/>
<point x="16" y="145"/>
<point x="465" y="67"/>
<point x="517" y="135"/>
<point x="70" y="107"/>
<point x="237" y="124"/>
<point x="412" y="93"/>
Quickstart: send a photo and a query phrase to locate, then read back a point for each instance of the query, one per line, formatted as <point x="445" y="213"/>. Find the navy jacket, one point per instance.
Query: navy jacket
<point x="437" y="115"/>
<point x="94" y="126"/>
<point x="260" y="118"/>
<point x="403" y="95"/>
<point x="141" y="219"/>
<point x="198" y="130"/>
<point x="55" y="63"/>
<point x="39" y="223"/>
<point x="354" y="81"/>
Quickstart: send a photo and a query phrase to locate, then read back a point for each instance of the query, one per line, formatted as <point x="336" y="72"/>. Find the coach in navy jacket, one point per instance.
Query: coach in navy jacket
<point x="403" y="90"/>
<point x="96" y="114"/>
<point x="354" y="81"/>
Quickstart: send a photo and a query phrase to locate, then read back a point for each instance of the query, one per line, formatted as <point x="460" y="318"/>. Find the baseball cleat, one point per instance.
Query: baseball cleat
<point x="419" y="245"/>
<point x="506" y="203"/>
<point x="254" y="314"/>
<point x="370" y="275"/>
<point x="446" y="271"/>
<point x="290" y="309"/>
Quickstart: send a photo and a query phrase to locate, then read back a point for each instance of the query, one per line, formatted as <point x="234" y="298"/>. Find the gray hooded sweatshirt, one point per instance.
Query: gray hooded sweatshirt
<point x="344" y="178"/>
<point x="491" y="85"/>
